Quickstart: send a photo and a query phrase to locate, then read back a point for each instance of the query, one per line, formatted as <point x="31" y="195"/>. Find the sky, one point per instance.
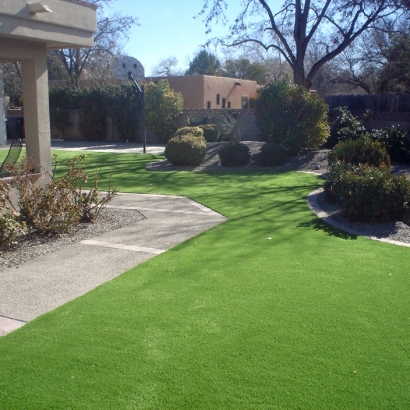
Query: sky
<point x="167" y="28"/>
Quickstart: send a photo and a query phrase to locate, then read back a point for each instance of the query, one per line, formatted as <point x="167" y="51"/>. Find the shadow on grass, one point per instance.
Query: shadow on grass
<point x="320" y="225"/>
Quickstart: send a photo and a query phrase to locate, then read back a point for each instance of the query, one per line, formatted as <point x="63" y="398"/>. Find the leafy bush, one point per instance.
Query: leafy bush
<point x="271" y="155"/>
<point x="211" y="132"/>
<point x="226" y="124"/>
<point x="291" y="116"/>
<point x="234" y="154"/>
<point x="368" y="194"/>
<point x="58" y="206"/>
<point x="396" y="142"/>
<point x="360" y="151"/>
<point x="186" y="150"/>
<point x="194" y="131"/>
<point x="346" y="126"/>
<point x="162" y="106"/>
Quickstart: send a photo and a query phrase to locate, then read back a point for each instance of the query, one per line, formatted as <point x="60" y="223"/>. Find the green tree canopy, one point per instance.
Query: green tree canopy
<point x="204" y="63"/>
<point x="244" y="69"/>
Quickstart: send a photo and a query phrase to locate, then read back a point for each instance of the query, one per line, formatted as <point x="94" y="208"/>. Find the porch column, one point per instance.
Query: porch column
<point x="3" y="136"/>
<point x="36" y="109"/>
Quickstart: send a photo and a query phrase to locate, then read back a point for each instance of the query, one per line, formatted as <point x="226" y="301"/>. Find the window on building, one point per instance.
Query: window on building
<point x="245" y="102"/>
<point x="218" y="97"/>
<point x="229" y="104"/>
<point x="208" y="104"/>
<point x="223" y="102"/>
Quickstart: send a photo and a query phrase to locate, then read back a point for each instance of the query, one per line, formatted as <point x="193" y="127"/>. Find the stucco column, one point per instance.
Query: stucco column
<point x="36" y="109"/>
<point x="3" y="136"/>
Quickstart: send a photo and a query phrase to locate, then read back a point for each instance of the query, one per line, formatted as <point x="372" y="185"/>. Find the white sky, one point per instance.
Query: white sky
<point x="167" y="28"/>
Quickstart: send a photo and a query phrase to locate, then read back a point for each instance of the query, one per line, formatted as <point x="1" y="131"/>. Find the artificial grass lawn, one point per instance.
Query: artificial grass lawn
<point x="310" y="319"/>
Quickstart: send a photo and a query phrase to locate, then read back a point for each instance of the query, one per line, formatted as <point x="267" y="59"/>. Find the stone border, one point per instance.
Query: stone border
<point x="314" y="207"/>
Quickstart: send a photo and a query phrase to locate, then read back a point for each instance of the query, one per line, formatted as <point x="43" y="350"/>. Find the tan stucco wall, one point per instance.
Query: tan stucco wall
<point x="197" y="90"/>
<point x="71" y="24"/>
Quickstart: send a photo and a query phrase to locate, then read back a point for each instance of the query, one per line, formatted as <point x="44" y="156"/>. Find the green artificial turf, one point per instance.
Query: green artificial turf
<point x="272" y="309"/>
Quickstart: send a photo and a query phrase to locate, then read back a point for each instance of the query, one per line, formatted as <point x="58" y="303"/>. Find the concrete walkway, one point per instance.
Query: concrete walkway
<point x="43" y="284"/>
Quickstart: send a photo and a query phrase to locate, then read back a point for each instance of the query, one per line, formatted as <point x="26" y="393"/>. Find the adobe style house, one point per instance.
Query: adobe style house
<point x="28" y="28"/>
<point x="205" y="91"/>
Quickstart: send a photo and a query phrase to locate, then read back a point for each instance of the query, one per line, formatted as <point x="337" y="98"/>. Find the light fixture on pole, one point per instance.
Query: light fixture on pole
<point x="130" y="69"/>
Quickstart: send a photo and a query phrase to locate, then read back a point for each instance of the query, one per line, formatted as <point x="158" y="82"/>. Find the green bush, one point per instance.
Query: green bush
<point x="271" y="155"/>
<point x="211" y="132"/>
<point x="346" y="126"/>
<point x="291" y="116"/>
<point x="368" y="194"/>
<point x="396" y="142"/>
<point x="194" y="131"/>
<point x="186" y="150"/>
<point x="162" y="106"/>
<point x="234" y="154"/>
<point x="360" y="151"/>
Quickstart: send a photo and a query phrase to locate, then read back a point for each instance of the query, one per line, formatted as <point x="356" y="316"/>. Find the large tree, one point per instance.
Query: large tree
<point x="167" y="67"/>
<point x="98" y="60"/>
<point x="329" y="25"/>
<point x="245" y="69"/>
<point x="204" y="63"/>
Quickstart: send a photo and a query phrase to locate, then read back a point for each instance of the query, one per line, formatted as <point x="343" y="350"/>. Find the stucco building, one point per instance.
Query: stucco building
<point x="205" y="91"/>
<point x="28" y="28"/>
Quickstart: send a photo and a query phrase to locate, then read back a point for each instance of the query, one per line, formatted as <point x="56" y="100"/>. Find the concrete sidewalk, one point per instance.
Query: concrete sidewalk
<point x="43" y="284"/>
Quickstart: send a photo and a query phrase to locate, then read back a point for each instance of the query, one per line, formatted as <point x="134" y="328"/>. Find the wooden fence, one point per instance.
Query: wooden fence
<point x="377" y="103"/>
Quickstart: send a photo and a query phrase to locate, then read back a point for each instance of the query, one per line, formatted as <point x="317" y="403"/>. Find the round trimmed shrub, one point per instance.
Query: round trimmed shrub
<point x="368" y="194"/>
<point x="234" y="154"/>
<point x="271" y="155"/>
<point x="396" y="141"/>
<point x="186" y="150"/>
<point x="194" y="131"/>
<point x="360" y="151"/>
<point x="211" y="132"/>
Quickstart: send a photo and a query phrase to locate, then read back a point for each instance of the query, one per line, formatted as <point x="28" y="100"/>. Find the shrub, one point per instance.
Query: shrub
<point x="396" y="142"/>
<point x="186" y="150"/>
<point x="346" y="126"/>
<point x="61" y="204"/>
<point x="194" y="131"/>
<point x="226" y="124"/>
<point x="211" y="132"/>
<point x="162" y="106"/>
<point x="271" y="155"/>
<point x="291" y="116"/>
<point x="360" y="151"/>
<point x="368" y="194"/>
<point x="234" y="154"/>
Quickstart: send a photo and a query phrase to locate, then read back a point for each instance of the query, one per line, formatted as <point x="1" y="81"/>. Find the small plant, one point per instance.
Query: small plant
<point x="234" y="154"/>
<point x="59" y="205"/>
<point x="367" y="194"/>
<point x="396" y="142"/>
<point x="271" y="155"/>
<point x="226" y="124"/>
<point x="186" y="150"/>
<point x="360" y="151"/>
<point x="346" y="126"/>
<point x="211" y="132"/>
<point x="194" y="131"/>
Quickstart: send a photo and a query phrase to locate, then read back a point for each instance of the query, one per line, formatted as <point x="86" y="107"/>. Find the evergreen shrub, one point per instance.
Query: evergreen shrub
<point x="367" y="194"/>
<point x="360" y="151"/>
<point x="185" y="150"/>
<point x="234" y="154"/>
<point x="194" y="131"/>
<point x="211" y="132"/>
<point x="271" y="155"/>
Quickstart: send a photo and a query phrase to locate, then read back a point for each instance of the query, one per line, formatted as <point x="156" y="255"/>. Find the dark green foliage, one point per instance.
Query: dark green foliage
<point x="211" y="132"/>
<point x="271" y="155"/>
<point x="367" y="194"/>
<point x="193" y="131"/>
<point x="234" y="154"/>
<point x="396" y="141"/>
<point x="204" y="63"/>
<point x="61" y="101"/>
<point x="226" y="124"/>
<point x="291" y="116"/>
<point x="186" y="150"/>
<point x="360" y="151"/>
<point x="346" y="126"/>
